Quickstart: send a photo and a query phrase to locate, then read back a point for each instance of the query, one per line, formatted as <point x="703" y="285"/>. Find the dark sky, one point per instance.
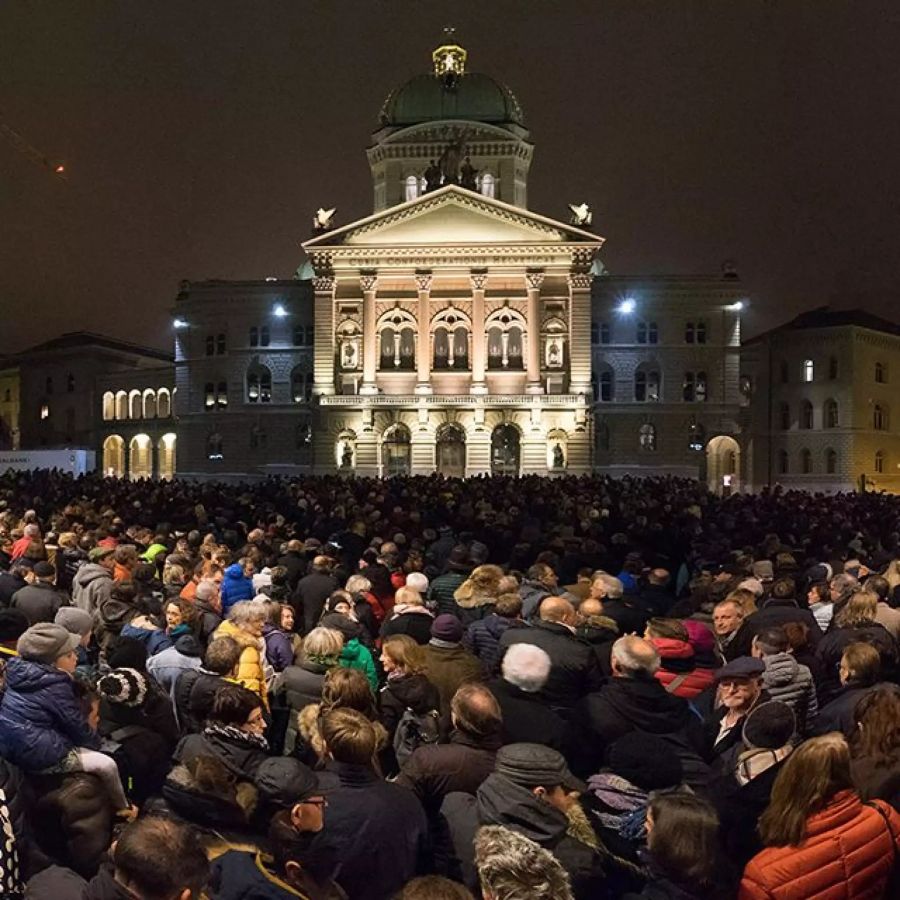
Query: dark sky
<point x="201" y="135"/>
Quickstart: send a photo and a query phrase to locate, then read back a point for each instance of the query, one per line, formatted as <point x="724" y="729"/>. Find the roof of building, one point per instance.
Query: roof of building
<point x="79" y="339"/>
<point x="826" y="317"/>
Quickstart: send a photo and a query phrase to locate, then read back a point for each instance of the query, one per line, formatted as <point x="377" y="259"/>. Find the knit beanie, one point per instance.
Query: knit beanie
<point x="769" y="726"/>
<point x="127" y="653"/>
<point x="73" y="619"/>
<point x="645" y="760"/>
<point x="127" y="687"/>
<point x="447" y="628"/>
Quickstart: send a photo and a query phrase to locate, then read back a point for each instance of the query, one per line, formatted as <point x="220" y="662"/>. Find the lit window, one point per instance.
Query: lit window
<point x="45" y="412"/>
<point x="808" y="370"/>
<point x="647" y="436"/>
<point x="214" y="446"/>
<point x="646" y="386"/>
<point x="222" y="394"/>
<point x="412" y="187"/>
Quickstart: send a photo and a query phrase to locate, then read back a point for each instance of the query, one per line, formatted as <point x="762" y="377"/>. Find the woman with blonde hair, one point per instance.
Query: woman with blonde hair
<point x="406" y="686"/>
<point x="244" y="625"/>
<point x="476" y="596"/>
<point x="820" y="838"/>
<point x="409" y="617"/>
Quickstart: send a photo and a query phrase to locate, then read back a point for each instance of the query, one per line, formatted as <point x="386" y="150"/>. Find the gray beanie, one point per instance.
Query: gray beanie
<point x="74" y="620"/>
<point x="46" y="642"/>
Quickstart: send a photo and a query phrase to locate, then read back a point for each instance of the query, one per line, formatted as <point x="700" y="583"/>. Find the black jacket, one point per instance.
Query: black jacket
<point x="774" y="613"/>
<point x="9" y="584"/>
<point x="527" y="719"/>
<point x="39" y="601"/>
<point x="574" y="671"/>
<point x="482" y="638"/>
<point x="838" y="713"/>
<point x="309" y="598"/>
<point x="627" y="614"/>
<point x="295" y="563"/>
<point x="241" y="757"/>
<point x="413" y="692"/>
<point x="417" y="624"/>
<point x="831" y="649"/>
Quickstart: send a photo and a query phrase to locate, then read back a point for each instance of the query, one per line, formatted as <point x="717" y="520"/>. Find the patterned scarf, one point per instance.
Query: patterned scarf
<point x="233" y="733"/>
<point x="626" y="802"/>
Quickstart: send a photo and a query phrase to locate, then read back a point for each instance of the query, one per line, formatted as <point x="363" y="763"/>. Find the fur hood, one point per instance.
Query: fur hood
<point x="308" y="729"/>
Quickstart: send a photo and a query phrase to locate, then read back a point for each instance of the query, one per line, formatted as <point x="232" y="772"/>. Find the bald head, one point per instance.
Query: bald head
<point x="633" y="657"/>
<point x="557" y="609"/>
<point x="590" y="607"/>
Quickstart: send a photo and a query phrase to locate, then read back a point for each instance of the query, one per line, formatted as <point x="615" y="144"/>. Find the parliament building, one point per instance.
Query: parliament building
<point x="456" y="330"/>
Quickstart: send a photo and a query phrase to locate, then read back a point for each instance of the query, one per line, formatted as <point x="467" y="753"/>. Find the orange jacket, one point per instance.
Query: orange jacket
<point x="681" y="655"/>
<point x="846" y="855"/>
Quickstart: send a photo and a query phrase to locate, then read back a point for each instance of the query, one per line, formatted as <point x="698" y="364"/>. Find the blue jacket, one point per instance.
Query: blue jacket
<point x="40" y="717"/>
<point x="154" y="639"/>
<point x="235" y="587"/>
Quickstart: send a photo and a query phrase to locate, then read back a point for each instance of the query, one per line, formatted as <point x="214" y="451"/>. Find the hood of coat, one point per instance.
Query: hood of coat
<point x="27" y="676"/>
<point x="472" y="599"/>
<point x="781" y="668"/>
<point x="647" y="704"/>
<point x="500" y="801"/>
<point x="188" y="645"/>
<point x="244" y="640"/>
<point x="90" y="572"/>
<point x="672" y="648"/>
<point x="235" y="572"/>
<point x="353" y="651"/>
<point x="414" y="691"/>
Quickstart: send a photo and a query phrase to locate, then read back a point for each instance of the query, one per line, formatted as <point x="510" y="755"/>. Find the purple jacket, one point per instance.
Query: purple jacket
<point x="279" y="650"/>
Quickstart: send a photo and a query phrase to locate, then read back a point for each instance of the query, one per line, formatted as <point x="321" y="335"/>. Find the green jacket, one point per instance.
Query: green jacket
<point x="356" y="656"/>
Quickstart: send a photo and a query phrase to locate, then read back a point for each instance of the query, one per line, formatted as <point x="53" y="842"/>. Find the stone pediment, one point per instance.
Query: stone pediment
<point x="452" y="215"/>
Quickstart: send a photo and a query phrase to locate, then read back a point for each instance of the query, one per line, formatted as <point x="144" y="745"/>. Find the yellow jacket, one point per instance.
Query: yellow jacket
<point x="250" y="672"/>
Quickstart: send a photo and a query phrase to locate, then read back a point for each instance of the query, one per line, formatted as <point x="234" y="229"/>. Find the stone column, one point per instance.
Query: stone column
<point x="423" y="348"/>
<point x="479" y="342"/>
<point x="368" y="281"/>
<point x="580" y="333"/>
<point x="533" y="281"/>
<point x="323" y="355"/>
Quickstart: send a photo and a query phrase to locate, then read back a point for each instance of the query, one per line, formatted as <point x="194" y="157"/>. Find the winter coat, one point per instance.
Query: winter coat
<point x="876" y="780"/>
<point x="846" y="853"/>
<point x="447" y="668"/>
<point x="532" y="594"/>
<point x="526" y="719"/>
<point x="413" y="692"/>
<point x="235" y="587"/>
<point x="303" y="683"/>
<point x="677" y="662"/>
<point x="68" y="562"/>
<point x="154" y="639"/>
<point x="786" y="680"/>
<point x="40" y="717"/>
<point x="9" y="585"/>
<point x="167" y="665"/>
<point x="574" y="671"/>
<point x="626" y="614"/>
<point x="241" y="757"/>
<point x="110" y="617"/>
<point x="355" y="656"/>
<point x="250" y="671"/>
<point x="832" y="647"/>
<point x="380" y="830"/>
<point x="193" y="697"/>
<point x="237" y="875"/>
<point x="279" y="649"/>
<point x="40" y="602"/>
<point x="441" y="591"/>
<point x="90" y="586"/>
<point x="412" y="620"/>
<point x="295" y="563"/>
<point x="839" y="713"/>
<point x="775" y="613"/>
<point x="470" y="608"/>
<point x="208" y="621"/>
<point x="309" y="598"/>
<point x="482" y="638"/>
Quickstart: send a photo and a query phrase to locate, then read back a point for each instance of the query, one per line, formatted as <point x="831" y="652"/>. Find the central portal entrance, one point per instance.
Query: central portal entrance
<point x="451" y="451"/>
<point x="505" y="450"/>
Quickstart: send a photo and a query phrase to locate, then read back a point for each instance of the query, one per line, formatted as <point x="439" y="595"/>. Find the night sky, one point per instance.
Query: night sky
<point x="200" y="136"/>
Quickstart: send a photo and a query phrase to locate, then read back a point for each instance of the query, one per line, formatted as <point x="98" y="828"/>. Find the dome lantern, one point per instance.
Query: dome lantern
<point x="449" y="60"/>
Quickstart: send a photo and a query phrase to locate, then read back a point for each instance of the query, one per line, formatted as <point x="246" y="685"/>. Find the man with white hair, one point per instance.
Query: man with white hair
<point x="610" y="591"/>
<point x="634" y="700"/>
<point x="526" y="718"/>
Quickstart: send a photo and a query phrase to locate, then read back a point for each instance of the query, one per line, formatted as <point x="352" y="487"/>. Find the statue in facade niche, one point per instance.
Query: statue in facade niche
<point x="347" y="456"/>
<point x="450" y="158"/>
<point x="559" y="459"/>
<point x="467" y="175"/>
<point x="432" y="177"/>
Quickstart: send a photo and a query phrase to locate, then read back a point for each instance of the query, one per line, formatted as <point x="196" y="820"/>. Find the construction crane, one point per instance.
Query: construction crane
<point x="55" y="167"/>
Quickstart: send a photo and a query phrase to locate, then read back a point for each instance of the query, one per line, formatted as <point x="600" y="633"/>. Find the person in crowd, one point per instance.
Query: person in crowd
<point x="597" y="630"/>
<point x="476" y="596"/>
<point x="819" y="837"/>
<point x="279" y="647"/>
<point x="525" y="718"/>
<point x="125" y="561"/>
<point x="93" y="582"/>
<point x="341" y="616"/>
<point x="803" y="651"/>
<point x="531" y="791"/>
<point x="77" y="621"/>
<point x="482" y="637"/>
<point x="732" y="633"/>
<point x="447" y="663"/>
<point x="244" y="625"/>
<point x="237" y="584"/>
<point x="624" y="611"/>
<point x="441" y="590"/>
<point x="409" y="616"/>
<point x="42" y="725"/>
<point x="739" y="689"/>
<point x="40" y="600"/>
<point x="634" y="700"/>
<point x="859" y="673"/>
<point x="433" y="887"/>
<point x="840" y="589"/>
<point x="294" y="562"/>
<point x="207" y="604"/>
<point x="406" y="685"/>
<point x="781" y="607"/>
<point x="145" y="627"/>
<point x="886" y="614"/>
<point x="540" y="582"/>
<point x="818" y="599"/>
<point x="20" y="575"/>
<point x="742" y="791"/>
<point x="312" y="591"/>
<point x="167" y="665"/>
<point x="367" y="607"/>
<point x="875" y="745"/>
<point x="195" y="689"/>
<point x="574" y="672"/>
<point x="784" y="678"/>
<point x="380" y="828"/>
<point x="683" y="856"/>
<point x="510" y="866"/>
<point x="677" y="672"/>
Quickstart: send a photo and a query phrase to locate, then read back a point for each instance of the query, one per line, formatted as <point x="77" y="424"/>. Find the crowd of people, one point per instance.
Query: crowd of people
<point x="419" y="688"/>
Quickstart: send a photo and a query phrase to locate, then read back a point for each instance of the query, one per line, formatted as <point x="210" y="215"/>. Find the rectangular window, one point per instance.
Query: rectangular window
<point x="604" y="333"/>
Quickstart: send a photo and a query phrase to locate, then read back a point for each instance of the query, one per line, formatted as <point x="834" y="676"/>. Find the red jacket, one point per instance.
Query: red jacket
<point x="846" y="855"/>
<point x="677" y="658"/>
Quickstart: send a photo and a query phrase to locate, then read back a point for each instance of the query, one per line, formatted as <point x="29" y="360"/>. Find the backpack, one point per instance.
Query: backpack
<point x="415" y="730"/>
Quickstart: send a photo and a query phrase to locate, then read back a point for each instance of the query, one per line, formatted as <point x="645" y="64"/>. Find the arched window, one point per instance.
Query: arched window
<point x="806" y="415"/>
<point x="163" y="403"/>
<point x="830" y="461"/>
<point x="646" y="384"/>
<point x="396" y="451"/>
<point x="220" y="345"/>
<point x="488" y="184"/>
<point x="70" y="383"/>
<point x="121" y="405"/>
<point x="166" y="451"/>
<point x="134" y="405"/>
<point x="109" y="406"/>
<point x="830" y="414"/>
<point x="210" y="345"/>
<point x="398" y="329"/>
<point x="451" y="339"/>
<point x="879" y="418"/>
<point x="301" y="385"/>
<point x="805" y="461"/>
<point x="696" y="437"/>
<point x="254" y="336"/>
<point x="114" y="456"/>
<point x="783" y="463"/>
<point x="647" y="436"/>
<point x="264" y="337"/>
<point x="209" y="393"/>
<point x="809" y="370"/>
<point x="221" y="393"/>
<point x="880" y="373"/>
<point x="259" y="384"/>
<point x="140" y="457"/>
<point x="832" y="368"/>
<point x="149" y="404"/>
<point x="411" y="187"/>
<point x="505" y="340"/>
<point x="879" y="461"/>
<point x="647" y="333"/>
<point x="214" y="446"/>
<point x="785" y="417"/>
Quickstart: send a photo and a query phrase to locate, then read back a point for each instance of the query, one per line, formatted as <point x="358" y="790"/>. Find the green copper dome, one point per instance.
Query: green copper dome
<point x="473" y="98"/>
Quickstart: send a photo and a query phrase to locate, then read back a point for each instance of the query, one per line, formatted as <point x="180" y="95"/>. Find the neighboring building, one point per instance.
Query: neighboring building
<point x="74" y="385"/>
<point x="452" y="329"/>
<point x="823" y="414"/>
<point x="9" y="405"/>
